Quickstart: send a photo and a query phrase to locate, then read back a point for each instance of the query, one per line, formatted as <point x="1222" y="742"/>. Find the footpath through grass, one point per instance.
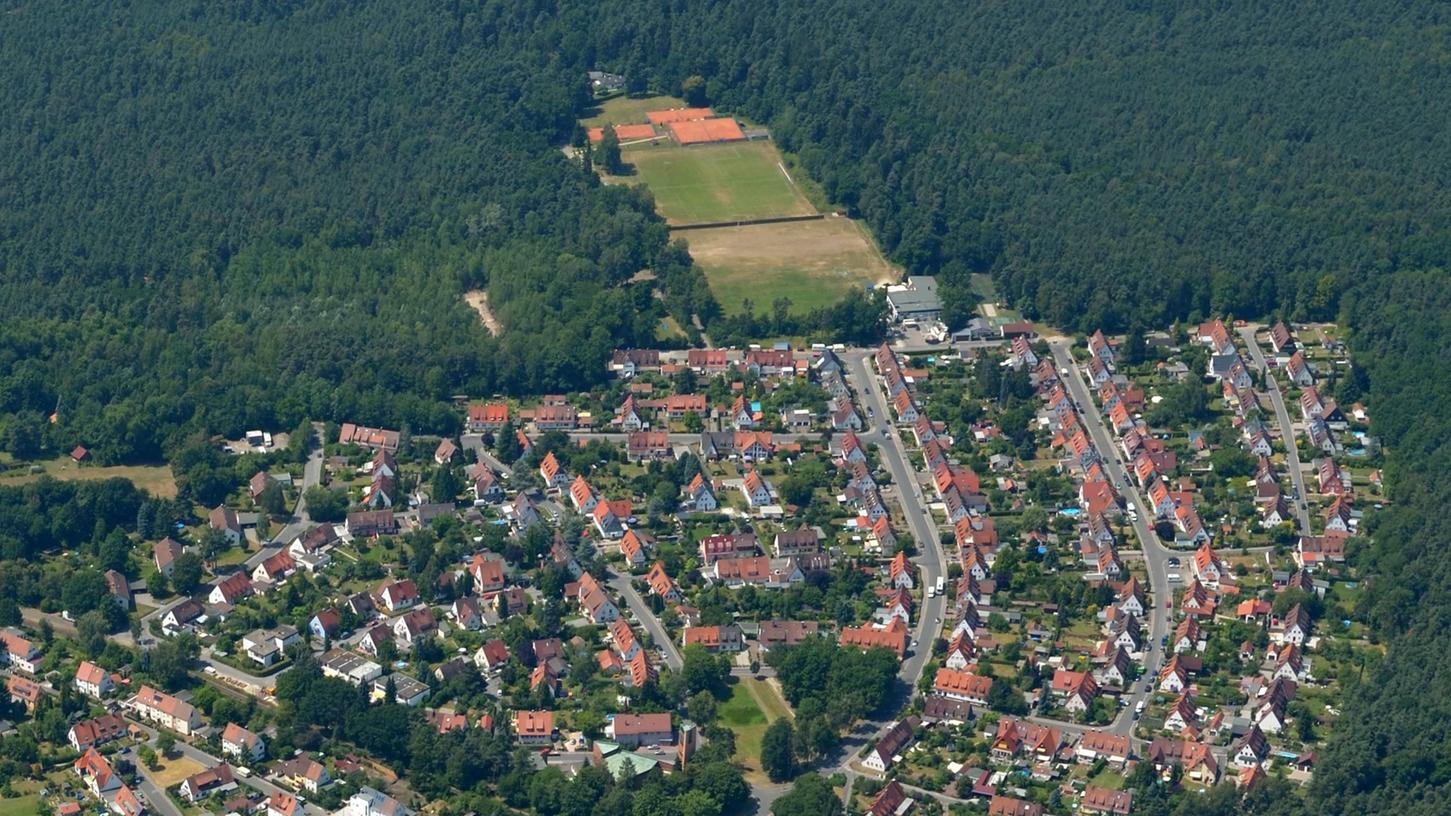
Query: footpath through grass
<point x="752" y="706"/>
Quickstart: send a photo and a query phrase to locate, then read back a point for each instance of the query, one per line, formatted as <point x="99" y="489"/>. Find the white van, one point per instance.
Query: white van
<point x="1175" y="578"/>
<point x="941" y="584"/>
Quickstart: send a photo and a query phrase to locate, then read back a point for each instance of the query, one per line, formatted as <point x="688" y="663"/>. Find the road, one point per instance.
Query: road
<point x="920" y="524"/>
<point x="1155" y="554"/>
<point x="301" y="521"/>
<point x="1282" y="416"/>
<point x="622" y="587"/>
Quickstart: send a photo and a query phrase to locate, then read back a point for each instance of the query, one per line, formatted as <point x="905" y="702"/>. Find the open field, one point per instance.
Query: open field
<point x="155" y="479"/>
<point x="812" y="263"/>
<point x="623" y="110"/>
<point x="716" y="182"/>
<point x="20" y="806"/>
<point x="752" y="706"/>
<point x="174" y="771"/>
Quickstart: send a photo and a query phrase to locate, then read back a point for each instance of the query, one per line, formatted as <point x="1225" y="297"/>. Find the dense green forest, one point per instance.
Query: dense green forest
<point x="1113" y="164"/>
<point x="221" y="216"/>
<point x="245" y="214"/>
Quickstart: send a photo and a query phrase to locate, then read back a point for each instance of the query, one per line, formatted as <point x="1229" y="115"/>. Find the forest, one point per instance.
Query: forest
<point x="221" y="216"/>
<point x="226" y="216"/>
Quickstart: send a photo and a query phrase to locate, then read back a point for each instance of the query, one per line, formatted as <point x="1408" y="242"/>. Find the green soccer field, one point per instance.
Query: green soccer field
<point x="724" y="182"/>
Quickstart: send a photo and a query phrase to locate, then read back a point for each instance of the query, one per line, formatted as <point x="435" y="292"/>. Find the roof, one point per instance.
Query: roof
<point x="640" y="724"/>
<point x="662" y="117"/>
<point x="534" y="723"/>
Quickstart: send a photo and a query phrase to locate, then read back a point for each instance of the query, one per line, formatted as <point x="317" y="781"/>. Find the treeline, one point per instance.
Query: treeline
<point x="235" y="216"/>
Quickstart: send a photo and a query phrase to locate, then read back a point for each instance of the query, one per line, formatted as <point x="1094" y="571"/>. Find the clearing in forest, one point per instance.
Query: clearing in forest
<point x="478" y="300"/>
<point x="811" y="263"/>
<point x="752" y="706"/>
<point x="715" y="182"/>
<point x="154" y="479"/>
<point x="624" y="110"/>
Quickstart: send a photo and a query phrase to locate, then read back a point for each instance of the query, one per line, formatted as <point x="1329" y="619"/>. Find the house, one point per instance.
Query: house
<point x="1280" y="338"/>
<point x="899" y="572"/>
<point x="484" y="485"/>
<point x="755" y="489"/>
<point x="369" y="802"/>
<point x="24" y="691"/>
<point x="1014" y="736"/>
<point x="632" y="730"/>
<point x="534" y="727"/>
<point x="350" y="667"/>
<point x="582" y="496"/>
<point x="1106" y="800"/>
<point x="487" y="570"/>
<point x="1298" y="370"/>
<point x="413" y="626"/>
<point x="890" y="801"/>
<point x="1182" y="715"/>
<point x="1251" y="749"/>
<point x="374" y="637"/>
<point x="164" y="555"/>
<point x="597" y="606"/>
<point x="90" y="733"/>
<point x="223" y="519"/>
<point x="1195" y="758"/>
<point x="1075" y="689"/>
<point x="961" y="653"/>
<point x="661" y="584"/>
<point x="205" y="783"/>
<point x="231" y="590"/>
<point x="1174" y="677"/>
<point x="1000" y="805"/>
<point x="552" y="472"/>
<point x="466" y="614"/>
<point x="892" y="636"/>
<point x="181" y="616"/>
<point x="368" y="523"/>
<point x="643" y="446"/>
<point x="801" y="541"/>
<point x="1094" y="745"/>
<point x="376" y="438"/>
<point x="489" y="417"/>
<point x="275" y="567"/>
<point x="492" y="655"/>
<point x="642" y="672"/>
<point x="714" y="639"/>
<point x="266" y="646"/>
<point x="774" y="633"/>
<point x="699" y="495"/>
<point x="882" y="755"/>
<point x="93" y="681"/>
<point x="242" y="745"/>
<point x="406" y="690"/>
<point x="1294" y="627"/>
<point x="1208" y="568"/>
<point x="325" y="624"/>
<point x="1312" y="552"/>
<point x="303" y="773"/>
<point x="165" y="710"/>
<point x="398" y="595"/>
<point x="606" y="522"/>
<point x="958" y="685"/>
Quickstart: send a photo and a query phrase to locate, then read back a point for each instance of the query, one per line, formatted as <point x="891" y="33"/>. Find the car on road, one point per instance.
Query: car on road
<point x="1175" y="578"/>
<point x="1173" y="562"/>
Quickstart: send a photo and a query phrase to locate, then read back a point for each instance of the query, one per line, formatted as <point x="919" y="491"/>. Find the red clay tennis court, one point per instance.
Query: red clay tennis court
<point x="624" y="133"/>
<point x="665" y="117"/>
<point x="706" y="130"/>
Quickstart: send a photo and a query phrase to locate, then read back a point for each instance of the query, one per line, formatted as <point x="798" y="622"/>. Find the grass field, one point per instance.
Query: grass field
<point x="20" y="806"/>
<point x="752" y="706"/>
<point x="155" y="479"/>
<point x="813" y="263"/>
<point x="174" y="771"/>
<point x="718" y="182"/>
<point x="625" y="111"/>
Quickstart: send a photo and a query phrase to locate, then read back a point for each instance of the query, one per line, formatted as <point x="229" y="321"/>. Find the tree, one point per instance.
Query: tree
<point x="272" y="500"/>
<point x="165" y="742"/>
<point x="812" y="795"/>
<point x="702" y="707"/>
<point x="692" y="89"/>
<point x="703" y="671"/>
<point x="445" y="486"/>
<point x="607" y="154"/>
<point x="91" y="631"/>
<point x="186" y="572"/>
<point x="778" y="751"/>
<point x="506" y="443"/>
<point x="324" y="504"/>
<point x="85" y="589"/>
